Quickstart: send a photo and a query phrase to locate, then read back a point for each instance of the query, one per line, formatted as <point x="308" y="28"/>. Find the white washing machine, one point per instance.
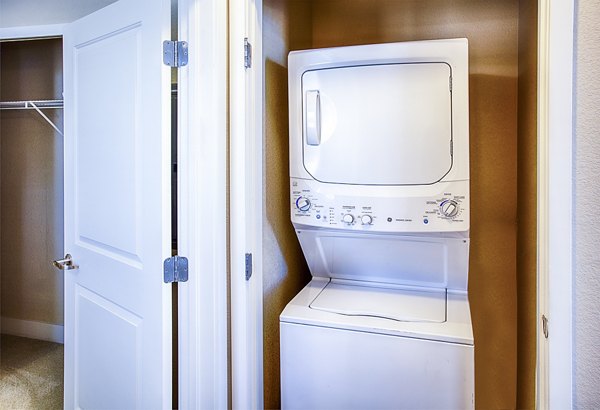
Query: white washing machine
<point x="379" y="178"/>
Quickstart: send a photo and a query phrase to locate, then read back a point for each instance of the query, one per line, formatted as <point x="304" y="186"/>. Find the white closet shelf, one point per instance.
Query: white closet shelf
<point x="30" y="105"/>
<point x="37" y="105"/>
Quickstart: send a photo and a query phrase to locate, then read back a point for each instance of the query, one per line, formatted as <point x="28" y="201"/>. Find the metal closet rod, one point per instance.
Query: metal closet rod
<point x="30" y="104"/>
<point x="37" y="105"/>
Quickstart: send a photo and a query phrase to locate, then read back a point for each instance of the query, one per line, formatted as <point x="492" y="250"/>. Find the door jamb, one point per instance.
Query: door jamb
<point x="202" y="205"/>
<point x="554" y="373"/>
<point x="246" y="209"/>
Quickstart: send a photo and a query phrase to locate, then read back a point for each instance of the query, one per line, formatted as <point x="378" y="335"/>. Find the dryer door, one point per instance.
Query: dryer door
<point x="378" y="125"/>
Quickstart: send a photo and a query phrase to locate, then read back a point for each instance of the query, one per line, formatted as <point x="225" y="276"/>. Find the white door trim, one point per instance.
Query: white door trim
<point x="555" y="195"/>
<point x="246" y="210"/>
<point x="29" y="32"/>
<point x="202" y="213"/>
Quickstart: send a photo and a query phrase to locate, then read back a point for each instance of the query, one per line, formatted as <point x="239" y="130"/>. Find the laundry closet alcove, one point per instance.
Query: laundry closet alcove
<point x="503" y="99"/>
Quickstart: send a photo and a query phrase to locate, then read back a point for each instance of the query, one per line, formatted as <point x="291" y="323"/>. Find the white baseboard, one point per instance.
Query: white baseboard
<point x="32" y="329"/>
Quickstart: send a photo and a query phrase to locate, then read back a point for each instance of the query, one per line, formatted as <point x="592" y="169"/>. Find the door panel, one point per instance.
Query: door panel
<point x="101" y="67"/>
<point x="117" y="208"/>
<point x="114" y="367"/>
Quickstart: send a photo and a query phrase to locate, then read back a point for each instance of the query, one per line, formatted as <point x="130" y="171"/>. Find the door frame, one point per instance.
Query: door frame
<point x="554" y="375"/>
<point x="246" y="205"/>
<point x="202" y="206"/>
<point x="555" y="236"/>
<point x="54" y="333"/>
<point x="31" y="32"/>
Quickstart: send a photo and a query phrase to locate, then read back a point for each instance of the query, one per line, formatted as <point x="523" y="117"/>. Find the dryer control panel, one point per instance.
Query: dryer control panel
<point x="379" y="209"/>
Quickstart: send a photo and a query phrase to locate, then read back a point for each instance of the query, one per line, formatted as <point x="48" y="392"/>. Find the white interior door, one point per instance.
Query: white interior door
<point x="117" y="208"/>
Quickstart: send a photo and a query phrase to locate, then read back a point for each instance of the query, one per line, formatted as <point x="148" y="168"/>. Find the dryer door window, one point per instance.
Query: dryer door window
<point x="378" y="125"/>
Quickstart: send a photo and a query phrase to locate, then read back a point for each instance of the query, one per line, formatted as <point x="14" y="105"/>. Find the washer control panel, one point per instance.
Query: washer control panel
<point x="442" y="212"/>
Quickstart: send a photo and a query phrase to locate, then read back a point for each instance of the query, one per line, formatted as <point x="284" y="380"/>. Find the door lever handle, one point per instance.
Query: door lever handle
<point x="66" y="263"/>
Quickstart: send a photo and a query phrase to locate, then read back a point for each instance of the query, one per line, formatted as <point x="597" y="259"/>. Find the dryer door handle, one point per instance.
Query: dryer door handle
<point x="313" y="117"/>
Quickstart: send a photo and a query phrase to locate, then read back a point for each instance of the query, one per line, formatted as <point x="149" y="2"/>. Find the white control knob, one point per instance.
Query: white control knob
<point x="366" y="219"/>
<point x="449" y="208"/>
<point x="303" y="203"/>
<point x="348" y="218"/>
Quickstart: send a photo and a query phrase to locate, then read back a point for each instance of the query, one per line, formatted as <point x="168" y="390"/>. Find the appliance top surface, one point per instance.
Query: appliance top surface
<point x="394" y="303"/>
<point x="456" y="328"/>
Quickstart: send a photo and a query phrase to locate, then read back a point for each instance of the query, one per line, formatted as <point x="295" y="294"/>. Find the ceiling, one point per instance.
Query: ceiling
<point x="15" y="13"/>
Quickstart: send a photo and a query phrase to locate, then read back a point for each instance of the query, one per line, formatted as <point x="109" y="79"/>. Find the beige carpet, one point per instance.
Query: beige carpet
<point x="31" y="374"/>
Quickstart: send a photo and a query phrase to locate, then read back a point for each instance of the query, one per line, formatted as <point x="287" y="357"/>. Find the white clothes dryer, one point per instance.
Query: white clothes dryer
<point x="379" y="185"/>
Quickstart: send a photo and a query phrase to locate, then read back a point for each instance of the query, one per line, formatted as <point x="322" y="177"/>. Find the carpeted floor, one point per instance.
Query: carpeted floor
<point x="31" y="374"/>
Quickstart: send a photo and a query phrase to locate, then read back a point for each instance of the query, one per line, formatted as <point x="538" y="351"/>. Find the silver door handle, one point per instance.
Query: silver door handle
<point x="66" y="263"/>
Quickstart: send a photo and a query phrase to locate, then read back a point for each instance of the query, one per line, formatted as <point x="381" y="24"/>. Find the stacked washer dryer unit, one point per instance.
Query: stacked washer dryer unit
<point x="379" y="175"/>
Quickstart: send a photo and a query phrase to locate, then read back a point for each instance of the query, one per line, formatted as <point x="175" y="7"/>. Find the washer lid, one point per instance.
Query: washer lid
<point x="406" y="305"/>
<point x="388" y="124"/>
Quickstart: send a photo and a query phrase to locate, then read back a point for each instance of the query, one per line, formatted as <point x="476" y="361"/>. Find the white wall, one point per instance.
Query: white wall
<point x="586" y="383"/>
<point x="15" y="13"/>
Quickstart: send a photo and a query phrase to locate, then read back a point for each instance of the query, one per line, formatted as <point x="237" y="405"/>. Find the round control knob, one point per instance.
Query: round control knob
<point x="449" y="208"/>
<point x="303" y="203"/>
<point x="366" y="219"/>
<point x="348" y="218"/>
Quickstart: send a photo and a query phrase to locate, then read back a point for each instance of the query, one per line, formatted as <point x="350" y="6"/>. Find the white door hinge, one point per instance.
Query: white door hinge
<point x="175" y="53"/>
<point x="247" y="53"/>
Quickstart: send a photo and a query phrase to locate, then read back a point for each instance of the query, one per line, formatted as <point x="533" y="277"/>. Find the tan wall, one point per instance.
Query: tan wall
<point x="497" y="141"/>
<point x="527" y="205"/>
<point x="31" y="184"/>
<point x="284" y="268"/>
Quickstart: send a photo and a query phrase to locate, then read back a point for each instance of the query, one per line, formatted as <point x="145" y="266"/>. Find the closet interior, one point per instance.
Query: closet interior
<point x="31" y="223"/>
<point x="502" y="39"/>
